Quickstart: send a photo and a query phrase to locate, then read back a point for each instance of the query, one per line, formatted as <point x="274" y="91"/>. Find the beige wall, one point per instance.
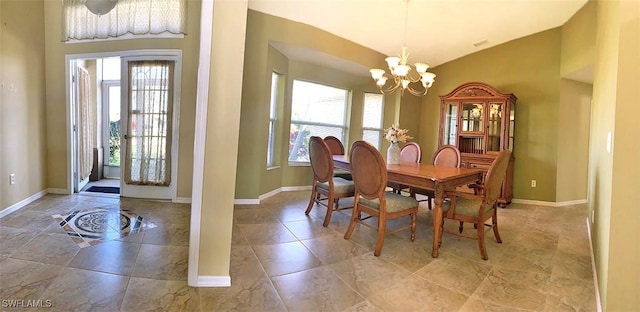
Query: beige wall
<point x="578" y="40"/>
<point x="22" y="109"/>
<point x="221" y="141"/>
<point x="574" y="113"/>
<point x="55" y="90"/>
<point x="613" y="194"/>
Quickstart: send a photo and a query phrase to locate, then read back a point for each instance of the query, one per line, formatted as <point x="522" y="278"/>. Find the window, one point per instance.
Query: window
<point x="277" y="90"/>
<point x="315" y="110"/>
<point x="129" y="18"/>
<point x="372" y="118"/>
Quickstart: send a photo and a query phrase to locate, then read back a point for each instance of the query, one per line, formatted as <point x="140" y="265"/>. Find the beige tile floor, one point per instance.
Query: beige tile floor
<point x="283" y="260"/>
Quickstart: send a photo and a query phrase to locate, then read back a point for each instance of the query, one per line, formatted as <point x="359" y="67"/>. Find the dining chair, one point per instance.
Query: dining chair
<point x="445" y="156"/>
<point x="369" y="172"/>
<point x="410" y="152"/>
<point x="477" y="208"/>
<point x="337" y="148"/>
<point x="324" y="183"/>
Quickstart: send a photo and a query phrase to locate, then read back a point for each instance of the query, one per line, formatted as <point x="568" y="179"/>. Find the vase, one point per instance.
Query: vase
<point x="393" y="153"/>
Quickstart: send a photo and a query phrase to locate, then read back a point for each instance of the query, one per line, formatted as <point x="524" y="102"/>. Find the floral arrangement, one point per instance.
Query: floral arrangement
<point x="396" y="135"/>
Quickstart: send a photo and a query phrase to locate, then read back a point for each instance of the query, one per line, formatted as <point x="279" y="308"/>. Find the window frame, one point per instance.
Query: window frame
<point x="344" y="127"/>
<point x="365" y="128"/>
<point x="275" y="101"/>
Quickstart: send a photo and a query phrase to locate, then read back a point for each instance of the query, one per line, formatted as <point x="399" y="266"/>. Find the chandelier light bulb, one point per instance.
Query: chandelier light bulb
<point x="376" y="73"/>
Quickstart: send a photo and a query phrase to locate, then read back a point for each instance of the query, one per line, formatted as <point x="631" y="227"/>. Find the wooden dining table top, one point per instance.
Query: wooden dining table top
<point x="426" y="176"/>
<point x="417" y="174"/>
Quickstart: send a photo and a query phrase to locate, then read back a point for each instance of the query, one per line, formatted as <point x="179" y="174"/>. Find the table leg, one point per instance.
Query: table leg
<point x="437" y="220"/>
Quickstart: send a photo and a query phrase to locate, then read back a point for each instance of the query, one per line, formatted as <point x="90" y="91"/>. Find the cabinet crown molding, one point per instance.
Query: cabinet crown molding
<point x="477" y="90"/>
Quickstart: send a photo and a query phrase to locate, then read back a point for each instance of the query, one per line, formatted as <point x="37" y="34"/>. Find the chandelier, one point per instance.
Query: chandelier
<point x="402" y="76"/>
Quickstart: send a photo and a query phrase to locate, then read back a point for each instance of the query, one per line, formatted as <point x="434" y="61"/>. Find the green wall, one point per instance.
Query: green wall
<point x="529" y="68"/>
<point x="261" y="59"/>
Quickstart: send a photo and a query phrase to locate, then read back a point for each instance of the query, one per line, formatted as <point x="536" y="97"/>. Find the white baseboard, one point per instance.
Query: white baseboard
<point x="58" y="191"/>
<point x="246" y="201"/>
<point x="296" y="188"/>
<point x="269" y="194"/>
<point x="593" y="268"/>
<point x="571" y="202"/>
<point x="549" y="204"/>
<point x="272" y="193"/>
<point x="182" y="200"/>
<point x="22" y="203"/>
<point x="212" y="281"/>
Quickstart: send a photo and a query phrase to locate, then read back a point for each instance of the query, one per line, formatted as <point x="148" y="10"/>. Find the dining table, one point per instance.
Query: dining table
<point x="426" y="176"/>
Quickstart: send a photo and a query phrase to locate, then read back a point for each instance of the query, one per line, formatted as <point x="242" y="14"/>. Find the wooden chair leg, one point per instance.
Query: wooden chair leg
<point x="355" y="215"/>
<point x="461" y="227"/>
<point x="414" y="217"/>
<point x="382" y="227"/>
<point x="429" y="198"/>
<point x="494" y="221"/>
<point x="481" y="245"/>
<point x="327" y="217"/>
<point x="312" y="200"/>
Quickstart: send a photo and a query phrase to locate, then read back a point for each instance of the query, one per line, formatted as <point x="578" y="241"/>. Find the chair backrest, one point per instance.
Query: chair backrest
<point x="447" y="156"/>
<point x="335" y="145"/>
<point x="411" y="152"/>
<point x="368" y="169"/>
<point x="320" y="158"/>
<point x="495" y="176"/>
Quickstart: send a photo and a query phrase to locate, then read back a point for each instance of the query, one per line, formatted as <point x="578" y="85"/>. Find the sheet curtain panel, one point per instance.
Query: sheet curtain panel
<point x="87" y="123"/>
<point x="148" y="159"/>
<point x="135" y="17"/>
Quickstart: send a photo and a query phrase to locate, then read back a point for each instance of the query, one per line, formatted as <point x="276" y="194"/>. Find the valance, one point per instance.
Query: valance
<point x="133" y="17"/>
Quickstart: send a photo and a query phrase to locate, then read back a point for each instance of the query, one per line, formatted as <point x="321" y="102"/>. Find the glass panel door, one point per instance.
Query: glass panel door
<point x="111" y="109"/>
<point x="472" y="117"/>
<point x="495" y="120"/>
<point x="149" y="126"/>
<point x="450" y="124"/>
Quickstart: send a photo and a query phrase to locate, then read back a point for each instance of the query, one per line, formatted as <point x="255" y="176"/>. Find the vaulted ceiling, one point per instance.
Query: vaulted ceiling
<point x="435" y="31"/>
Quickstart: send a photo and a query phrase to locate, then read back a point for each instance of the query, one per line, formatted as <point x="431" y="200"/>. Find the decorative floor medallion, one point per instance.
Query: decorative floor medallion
<point x="94" y="226"/>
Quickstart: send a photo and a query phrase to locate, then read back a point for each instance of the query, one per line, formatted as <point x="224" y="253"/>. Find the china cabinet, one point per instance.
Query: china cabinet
<point x="480" y="121"/>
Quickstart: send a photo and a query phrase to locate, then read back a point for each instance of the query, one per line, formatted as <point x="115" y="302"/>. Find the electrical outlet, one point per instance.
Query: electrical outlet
<point x="534" y="183"/>
<point x="12" y="178"/>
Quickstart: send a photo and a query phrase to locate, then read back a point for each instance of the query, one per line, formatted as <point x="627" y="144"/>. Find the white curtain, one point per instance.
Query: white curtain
<point x="136" y="17"/>
<point x="87" y="124"/>
<point x="149" y="123"/>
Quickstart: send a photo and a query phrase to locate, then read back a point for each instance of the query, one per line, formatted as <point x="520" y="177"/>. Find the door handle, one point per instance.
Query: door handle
<point x="126" y="137"/>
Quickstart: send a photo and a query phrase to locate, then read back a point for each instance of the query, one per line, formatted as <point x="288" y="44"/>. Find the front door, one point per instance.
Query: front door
<point x="149" y="133"/>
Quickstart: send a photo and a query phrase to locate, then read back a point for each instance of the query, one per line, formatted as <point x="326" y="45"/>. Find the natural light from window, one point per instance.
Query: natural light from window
<point x="372" y="118"/>
<point x="316" y="110"/>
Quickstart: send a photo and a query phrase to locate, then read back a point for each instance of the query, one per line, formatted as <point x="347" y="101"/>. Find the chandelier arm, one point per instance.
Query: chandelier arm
<point x="391" y="89"/>
<point x="417" y="92"/>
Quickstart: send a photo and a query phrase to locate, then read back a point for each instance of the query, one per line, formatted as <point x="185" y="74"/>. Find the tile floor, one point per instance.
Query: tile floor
<point x="283" y="260"/>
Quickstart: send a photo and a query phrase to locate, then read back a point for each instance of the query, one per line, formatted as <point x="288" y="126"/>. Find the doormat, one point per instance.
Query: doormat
<point x="94" y="226"/>
<point x="104" y="189"/>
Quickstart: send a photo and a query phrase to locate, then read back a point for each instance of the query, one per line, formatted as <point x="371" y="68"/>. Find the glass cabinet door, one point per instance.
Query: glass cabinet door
<point x="495" y="126"/>
<point x="512" y="125"/>
<point x="472" y="117"/>
<point x="450" y="123"/>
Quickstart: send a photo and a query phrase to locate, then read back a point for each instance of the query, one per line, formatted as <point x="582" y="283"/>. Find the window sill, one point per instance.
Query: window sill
<point x="127" y="37"/>
<point x="273" y="168"/>
<point x="299" y="164"/>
